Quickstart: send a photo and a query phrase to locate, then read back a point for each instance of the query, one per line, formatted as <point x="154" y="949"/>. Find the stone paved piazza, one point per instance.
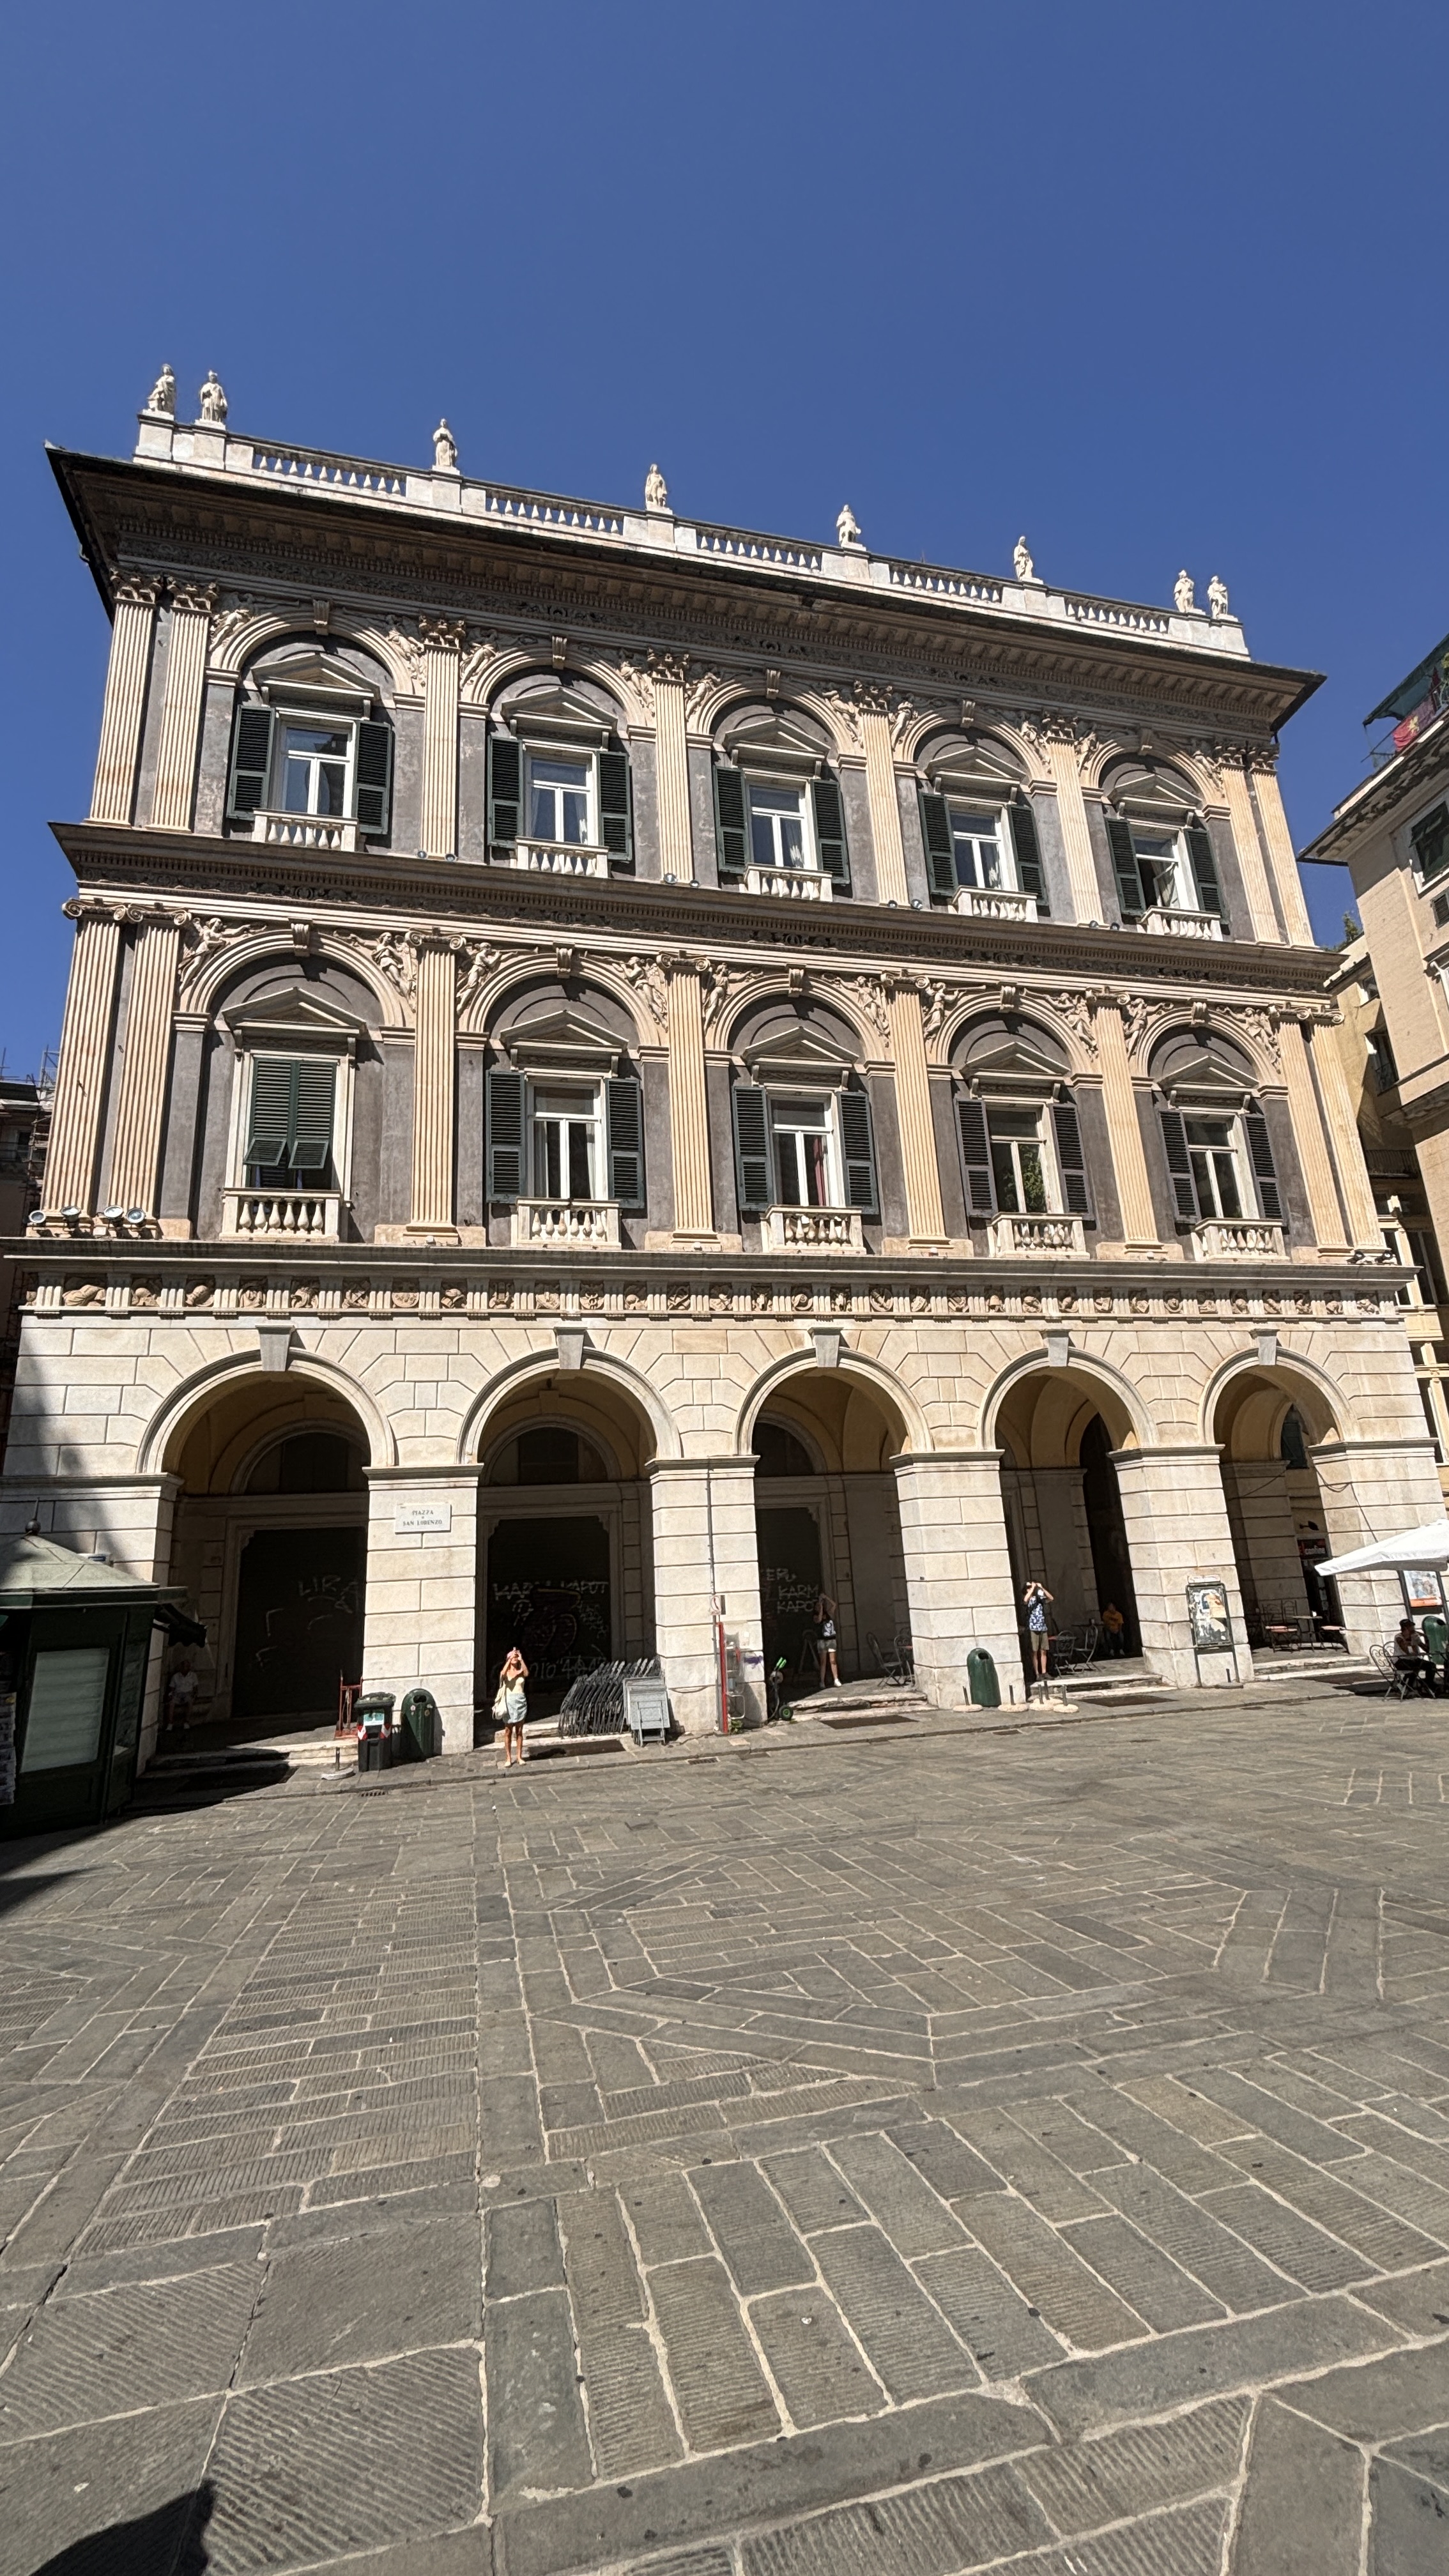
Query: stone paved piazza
<point x="905" y="2150"/>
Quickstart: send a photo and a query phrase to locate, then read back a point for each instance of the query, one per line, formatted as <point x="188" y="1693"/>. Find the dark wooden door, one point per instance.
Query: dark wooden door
<point x="298" y="1623"/>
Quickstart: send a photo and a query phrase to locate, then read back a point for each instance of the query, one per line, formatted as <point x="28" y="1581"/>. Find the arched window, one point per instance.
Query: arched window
<point x="565" y="1118"/>
<point x="779" y="812"/>
<point x="978" y="827"/>
<point x="1023" y="1159"/>
<point x="1162" y="851"/>
<point x="559" y="791"/>
<point x="805" y="1162"/>
<point x="1215" y="1137"/>
<point x="312" y="750"/>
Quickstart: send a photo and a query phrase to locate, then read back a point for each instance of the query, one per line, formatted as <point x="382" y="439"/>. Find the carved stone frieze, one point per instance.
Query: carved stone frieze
<point x="651" y="984"/>
<point x="395" y="957"/>
<point x="240" y="610"/>
<point x="408" y="652"/>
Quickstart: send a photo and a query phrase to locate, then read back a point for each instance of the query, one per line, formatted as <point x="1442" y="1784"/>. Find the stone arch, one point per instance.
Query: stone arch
<point x="1169" y="1029"/>
<point x="217" y="967"/>
<point x="900" y="1407"/>
<point x="916" y="729"/>
<point x="483" y="1012"/>
<point x="1093" y="1386"/>
<point x="518" y="1377"/>
<point x="1265" y="1392"/>
<point x="486" y="678"/>
<point x="753" y="1009"/>
<point x="971" y="1009"/>
<point x="177" y="1415"/>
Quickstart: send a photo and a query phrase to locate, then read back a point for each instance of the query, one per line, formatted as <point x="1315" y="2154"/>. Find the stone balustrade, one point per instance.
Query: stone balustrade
<point x="592" y="1223"/>
<point x="1240" y="1238"/>
<point x="1165" y="921"/>
<point x="997" y="903"/>
<point x="792" y="885"/>
<point x="552" y="858"/>
<point x="284" y="1216"/>
<point x="808" y="1229"/>
<point x="1039" y="1233"/>
<point x="305" y="831"/>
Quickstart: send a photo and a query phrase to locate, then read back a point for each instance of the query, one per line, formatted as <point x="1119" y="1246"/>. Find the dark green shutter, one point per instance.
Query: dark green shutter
<point x="505" y="789"/>
<point x="752" y="1148"/>
<point x="505" y="1135"/>
<point x="1204" y="869"/>
<point x="1260" y="1154"/>
<point x="270" y="1129"/>
<point x="624" y="1103"/>
<point x="314" y="1092"/>
<point x="374" y="779"/>
<point x="615" y="819"/>
<point x="1028" y="851"/>
<point x="732" y="829"/>
<point x="1124" y="860"/>
<point x="251" y="763"/>
<point x="857" y="1145"/>
<point x="976" y="1157"/>
<point x="830" y="832"/>
<point x="1179" y="1165"/>
<point x="1429" y="841"/>
<point x="940" y="848"/>
<point x="1071" y="1161"/>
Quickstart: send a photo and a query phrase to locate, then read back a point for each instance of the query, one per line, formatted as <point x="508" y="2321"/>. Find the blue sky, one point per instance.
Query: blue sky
<point x="1158" y="285"/>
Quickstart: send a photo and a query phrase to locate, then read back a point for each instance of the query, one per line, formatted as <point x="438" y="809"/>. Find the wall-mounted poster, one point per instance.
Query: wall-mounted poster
<point x="1423" y="1589"/>
<point x="1207" y="1610"/>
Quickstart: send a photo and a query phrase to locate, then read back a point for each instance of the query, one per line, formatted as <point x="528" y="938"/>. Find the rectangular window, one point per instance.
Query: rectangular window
<point x="1021" y="1163"/>
<point x="566" y="1158"/>
<point x="805" y="1158"/>
<point x="978" y="843"/>
<point x="316" y="767"/>
<point x="290" y="1126"/>
<point x="779" y="834"/>
<point x="1212" y="1151"/>
<point x="1429" y="840"/>
<point x="1161" y="864"/>
<point x="560" y="800"/>
<point x="1381" y="1060"/>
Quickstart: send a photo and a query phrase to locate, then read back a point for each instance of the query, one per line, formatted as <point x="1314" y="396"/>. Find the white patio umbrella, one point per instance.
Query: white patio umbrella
<point x="1426" y="1549"/>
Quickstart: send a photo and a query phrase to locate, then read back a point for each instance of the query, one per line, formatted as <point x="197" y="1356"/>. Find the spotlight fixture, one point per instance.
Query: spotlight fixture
<point x="114" y="1216"/>
<point x="71" y="1215"/>
<point x="135" y="1216"/>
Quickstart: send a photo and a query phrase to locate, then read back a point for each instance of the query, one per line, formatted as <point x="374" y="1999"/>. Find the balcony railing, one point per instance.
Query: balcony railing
<point x="305" y="831"/>
<point x="1238" y="1238"/>
<point x="808" y="1229"/>
<point x="1059" y="1234"/>
<point x="593" y="1223"/>
<point x="997" y="903"/>
<point x="796" y="885"/>
<point x="551" y="858"/>
<point x="1165" y="921"/>
<point x="288" y="1216"/>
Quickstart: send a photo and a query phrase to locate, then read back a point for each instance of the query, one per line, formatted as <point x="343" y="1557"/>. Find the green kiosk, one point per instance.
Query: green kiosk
<point x="75" y="1641"/>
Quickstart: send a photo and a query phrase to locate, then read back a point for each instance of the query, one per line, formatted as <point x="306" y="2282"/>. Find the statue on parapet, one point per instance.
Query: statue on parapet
<point x="1184" y="597"/>
<point x="445" y="450"/>
<point x="212" y="414"/>
<point x="1021" y="558"/>
<point x="161" y="400"/>
<point x="847" y="528"/>
<point x="656" y="490"/>
<point x="1217" y="596"/>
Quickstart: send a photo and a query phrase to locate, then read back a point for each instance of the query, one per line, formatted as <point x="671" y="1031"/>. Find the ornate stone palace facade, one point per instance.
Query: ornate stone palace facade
<point x="615" y="1066"/>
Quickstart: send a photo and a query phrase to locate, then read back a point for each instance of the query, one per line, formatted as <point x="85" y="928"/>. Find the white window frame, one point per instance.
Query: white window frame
<point x="780" y="1126"/>
<point x="319" y="720"/>
<point x="1045" y="1142"/>
<point x="1436" y="883"/>
<point x="1250" y="1210"/>
<point x="341" y="1059"/>
<point x="599" y="1147"/>
<point x="580" y="756"/>
<point x="1184" y="897"/>
<point x="1001" y="841"/>
<point x="808" y="864"/>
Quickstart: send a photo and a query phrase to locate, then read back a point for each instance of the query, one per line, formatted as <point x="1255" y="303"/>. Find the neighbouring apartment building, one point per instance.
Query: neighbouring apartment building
<point x="1392" y="832"/>
<point x="24" y="1130"/>
<point x="619" y="1071"/>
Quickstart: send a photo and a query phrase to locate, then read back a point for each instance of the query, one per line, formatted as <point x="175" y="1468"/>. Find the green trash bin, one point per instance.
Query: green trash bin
<point x="982" y="1679"/>
<point x="372" y="1711"/>
<point x="422" y="1727"/>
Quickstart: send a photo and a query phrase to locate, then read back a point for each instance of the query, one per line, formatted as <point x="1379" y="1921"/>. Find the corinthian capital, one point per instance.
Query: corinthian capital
<point x="443" y="634"/>
<point x="194" y="598"/>
<point x="135" y="589"/>
<point x="672" y="667"/>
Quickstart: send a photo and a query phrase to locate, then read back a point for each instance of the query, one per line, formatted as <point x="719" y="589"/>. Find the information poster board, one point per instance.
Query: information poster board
<point x="1208" y="1616"/>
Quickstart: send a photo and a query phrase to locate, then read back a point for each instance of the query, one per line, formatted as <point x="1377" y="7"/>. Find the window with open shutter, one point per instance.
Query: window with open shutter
<point x="625" y="1105"/>
<point x="270" y="1114"/>
<point x="976" y="1157"/>
<point x="616" y="829"/>
<point x="752" y="1148"/>
<point x="830" y="846"/>
<point x="293" y="1106"/>
<point x="1179" y="1165"/>
<point x="374" y="779"/>
<point x="857" y="1152"/>
<point x="505" y="791"/>
<point x="251" y="763"/>
<point x="505" y="1134"/>
<point x="1027" y="846"/>
<point x="732" y="831"/>
<point x="1071" y="1161"/>
<point x="1204" y="868"/>
<point x="1124" y="861"/>
<point x="940" y="848"/>
<point x="315" y="1097"/>
<point x="1260" y="1155"/>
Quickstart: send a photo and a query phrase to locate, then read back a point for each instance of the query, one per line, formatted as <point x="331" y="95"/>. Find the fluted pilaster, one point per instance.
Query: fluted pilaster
<point x="442" y="655"/>
<point x="433" y="1085"/>
<point x="145" y="1054"/>
<point x="1283" y="857"/>
<point x="1061" y="752"/>
<point x="113" y="796"/>
<point x="676" y="842"/>
<point x="80" y="1082"/>
<point x="688" y="1112"/>
<point x="1308" y="1138"/>
<point x="925" y="1217"/>
<point x="1124" y="1131"/>
<point x="1254" y="873"/>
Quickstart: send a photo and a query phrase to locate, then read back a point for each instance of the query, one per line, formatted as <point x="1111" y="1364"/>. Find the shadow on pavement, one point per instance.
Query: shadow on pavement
<point x="170" y="2541"/>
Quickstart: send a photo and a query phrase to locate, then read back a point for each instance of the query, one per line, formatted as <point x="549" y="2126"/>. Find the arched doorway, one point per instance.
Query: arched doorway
<point x="1265" y="1427"/>
<point x="827" y="1519"/>
<point x="565" y="1557"/>
<point x="270" y="1539"/>
<point x="1057" y="1432"/>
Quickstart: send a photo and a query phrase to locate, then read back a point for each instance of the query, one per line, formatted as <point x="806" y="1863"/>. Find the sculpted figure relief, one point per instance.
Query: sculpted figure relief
<point x="1217" y="596"/>
<point x="1021" y="558"/>
<point x="445" y="450"/>
<point x="162" y="396"/>
<point x="656" y="490"/>
<point x="1184" y="598"/>
<point x="213" y="402"/>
